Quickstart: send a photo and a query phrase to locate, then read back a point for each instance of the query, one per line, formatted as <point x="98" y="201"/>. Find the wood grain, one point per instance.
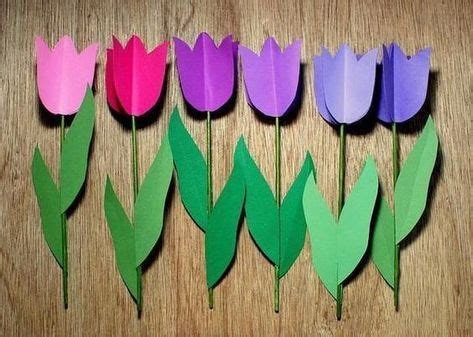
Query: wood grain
<point x="436" y="291"/>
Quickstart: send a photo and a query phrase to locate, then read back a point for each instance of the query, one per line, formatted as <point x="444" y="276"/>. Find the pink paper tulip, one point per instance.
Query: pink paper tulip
<point x="133" y="78"/>
<point x="63" y="74"/>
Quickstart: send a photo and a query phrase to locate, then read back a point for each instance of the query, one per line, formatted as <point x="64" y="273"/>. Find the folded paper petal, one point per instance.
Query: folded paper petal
<point x="137" y="76"/>
<point x="112" y="97"/>
<point x="404" y="83"/>
<point x="348" y="83"/>
<point x="271" y="79"/>
<point x="63" y="75"/>
<point x="319" y="90"/>
<point x="206" y="73"/>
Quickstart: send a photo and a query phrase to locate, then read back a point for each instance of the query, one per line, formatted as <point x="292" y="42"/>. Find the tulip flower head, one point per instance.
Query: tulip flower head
<point x="344" y="84"/>
<point x="271" y="78"/>
<point x="133" y="77"/>
<point x="206" y="72"/>
<point x="404" y="82"/>
<point x="63" y="74"/>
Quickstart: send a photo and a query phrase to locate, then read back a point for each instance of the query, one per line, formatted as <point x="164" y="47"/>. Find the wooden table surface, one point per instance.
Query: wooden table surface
<point x="435" y="295"/>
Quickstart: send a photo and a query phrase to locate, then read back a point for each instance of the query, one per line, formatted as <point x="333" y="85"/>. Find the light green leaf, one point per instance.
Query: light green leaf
<point x="123" y="238"/>
<point x="292" y="220"/>
<point x="150" y="202"/>
<point x="323" y="235"/>
<point x="355" y="220"/>
<point x="260" y="207"/>
<point x="383" y="244"/>
<point x="221" y="234"/>
<point x="75" y="152"/>
<point x="410" y="195"/>
<point x="47" y="195"/>
<point x="191" y="170"/>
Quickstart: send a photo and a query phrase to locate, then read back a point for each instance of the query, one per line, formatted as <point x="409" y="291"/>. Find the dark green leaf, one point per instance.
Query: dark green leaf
<point x="412" y="185"/>
<point x="123" y="238"/>
<point x="221" y="234"/>
<point x="47" y="195"/>
<point x="191" y="170"/>
<point x="292" y="220"/>
<point x="75" y="152"/>
<point x="260" y="206"/>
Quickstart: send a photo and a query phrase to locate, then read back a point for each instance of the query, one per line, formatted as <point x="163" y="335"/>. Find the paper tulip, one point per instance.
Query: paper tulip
<point x="207" y="72"/>
<point x="63" y="74"/>
<point x="344" y="84"/>
<point x="133" y="77"/>
<point x="271" y="78"/>
<point x="403" y="84"/>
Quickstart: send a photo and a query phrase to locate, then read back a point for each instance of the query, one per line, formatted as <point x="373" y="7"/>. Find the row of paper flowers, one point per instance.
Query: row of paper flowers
<point x="344" y="83"/>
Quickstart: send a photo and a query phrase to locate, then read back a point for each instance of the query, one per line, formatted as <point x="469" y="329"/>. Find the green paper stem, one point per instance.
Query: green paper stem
<point x="134" y="150"/>
<point x="395" y="155"/>
<point x="341" y="200"/>
<point x="64" y="229"/>
<point x="277" y="146"/>
<point x="209" y="187"/>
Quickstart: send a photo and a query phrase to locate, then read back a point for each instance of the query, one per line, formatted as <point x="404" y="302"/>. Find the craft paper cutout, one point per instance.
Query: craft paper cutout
<point x="410" y="199"/>
<point x="271" y="78"/>
<point x="134" y="77"/>
<point x="219" y="223"/>
<point x="338" y="247"/>
<point x="404" y="82"/>
<point x="54" y="200"/>
<point x="278" y="232"/>
<point x="344" y="84"/>
<point x="134" y="238"/>
<point x="207" y="72"/>
<point x="63" y="74"/>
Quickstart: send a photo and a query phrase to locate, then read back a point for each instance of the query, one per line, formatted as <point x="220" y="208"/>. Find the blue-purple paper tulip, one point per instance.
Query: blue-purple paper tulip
<point x="344" y="84"/>
<point x="271" y="78"/>
<point x="207" y="72"/>
<point x="403" y="84"/>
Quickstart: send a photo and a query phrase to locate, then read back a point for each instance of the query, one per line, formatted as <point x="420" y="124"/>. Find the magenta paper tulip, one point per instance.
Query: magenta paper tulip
<point x="271" y="78"/>
<point x="403" y="83"/>
<point x="207" y="72"/>
<point x="63" y="74"/>
<point x="133" y="78"/>
<point x="344" y="84"/>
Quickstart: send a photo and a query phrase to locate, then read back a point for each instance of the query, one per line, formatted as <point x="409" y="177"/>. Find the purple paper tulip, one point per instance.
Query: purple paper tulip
<point x="271" y="78"/>
<point x="403" y="83"/>
<point x="207" y="72"/>
<point x="344" y="84"/>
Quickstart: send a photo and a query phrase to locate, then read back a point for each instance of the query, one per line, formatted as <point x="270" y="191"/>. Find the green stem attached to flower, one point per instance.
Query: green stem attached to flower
<point x="134" y="150"/>
<point x="64" y="230"/>
<point x="341" y="200"/>
<point x="277" y="146"/>
<point x="209" y="187"/>
<point x="395" y="159"/>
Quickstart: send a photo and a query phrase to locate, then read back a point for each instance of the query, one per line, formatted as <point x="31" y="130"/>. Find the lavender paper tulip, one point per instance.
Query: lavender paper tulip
<point x="207" y="72"/>
<point x="403" y="84"/>
<point x="344" y="84"/>
<point x="271" y="78"/>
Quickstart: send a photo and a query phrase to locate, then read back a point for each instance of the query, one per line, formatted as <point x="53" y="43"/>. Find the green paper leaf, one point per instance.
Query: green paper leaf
<point x="292" y="220"/>
<point x="150" y="202"/>
<point x="191" y="170"/>
<point x="322" y="228"/>
<point x="383" y="244"/>
<point x="412" y="185"/>
<point x="221" y="233"/>
<point x="123" y="238"/>
<point x="260" y="207"/>
<point x="47" y="195"/>
<point x="75" y="152"/>
<point x="337" y="249"/>
<point x="355" y="219"/>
